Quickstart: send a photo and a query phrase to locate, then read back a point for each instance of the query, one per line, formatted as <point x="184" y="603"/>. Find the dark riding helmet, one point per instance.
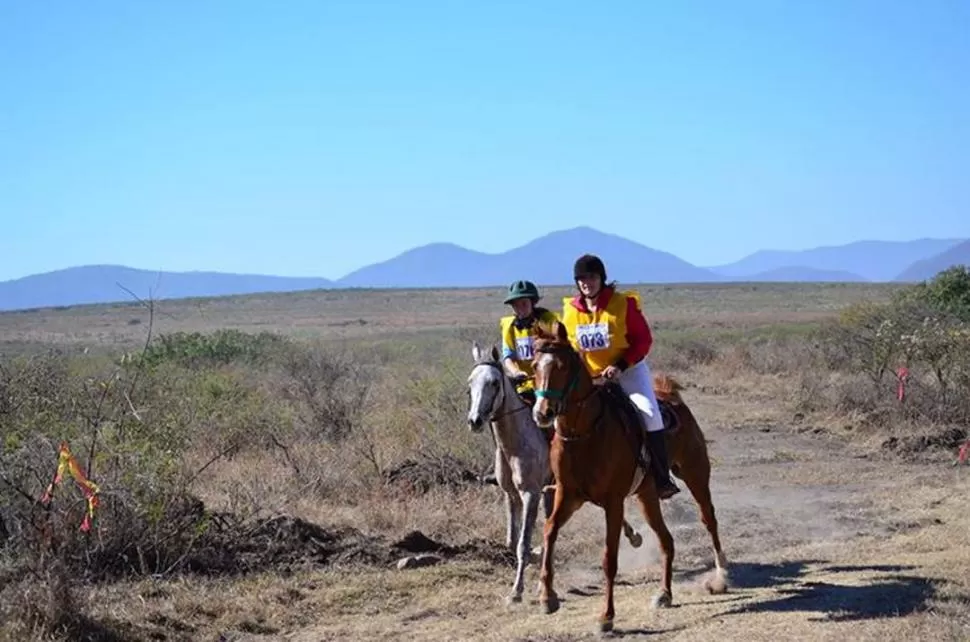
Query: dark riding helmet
<point x="522" y="290"/>
<point x="589" y="264"/>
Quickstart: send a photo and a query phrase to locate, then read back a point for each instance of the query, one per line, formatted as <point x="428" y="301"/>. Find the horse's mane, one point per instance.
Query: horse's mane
<point x="551" y="337"/>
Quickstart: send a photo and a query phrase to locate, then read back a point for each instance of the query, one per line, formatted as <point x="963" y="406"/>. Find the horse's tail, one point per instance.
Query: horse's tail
<point x="667" y="388"/>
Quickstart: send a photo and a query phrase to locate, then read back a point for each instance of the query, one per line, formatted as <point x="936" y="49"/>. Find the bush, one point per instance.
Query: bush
<point x="195" y="350"/>
<point x="252" y="423"/>
<point x="144" y="427"/>
<point x="924" y="329"/>
<point x="329" y="392"/>
<point x="948" y="292"/>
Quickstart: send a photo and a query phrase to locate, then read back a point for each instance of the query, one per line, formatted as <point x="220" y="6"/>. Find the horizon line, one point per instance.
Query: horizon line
<point x="468" y="249"/>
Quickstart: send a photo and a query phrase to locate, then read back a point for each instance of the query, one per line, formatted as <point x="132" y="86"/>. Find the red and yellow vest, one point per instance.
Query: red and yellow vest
<point x="518" y="343"/>
<point x="600" y="336"/>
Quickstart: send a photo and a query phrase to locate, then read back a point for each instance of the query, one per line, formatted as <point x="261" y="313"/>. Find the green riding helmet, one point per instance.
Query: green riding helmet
<point x="523" y="290"/>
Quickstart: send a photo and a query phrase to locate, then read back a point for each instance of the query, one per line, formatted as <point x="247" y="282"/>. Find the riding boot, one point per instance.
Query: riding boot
<point x="661" y="466"/>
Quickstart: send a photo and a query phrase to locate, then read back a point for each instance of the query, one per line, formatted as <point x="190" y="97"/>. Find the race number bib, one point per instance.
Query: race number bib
<point x="523" y="347"/>
<point x="593" y="336"/>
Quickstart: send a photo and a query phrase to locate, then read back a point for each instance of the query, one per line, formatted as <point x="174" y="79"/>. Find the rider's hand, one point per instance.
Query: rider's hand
<point x="519" y="377"/>
<point x="611" y="372"/>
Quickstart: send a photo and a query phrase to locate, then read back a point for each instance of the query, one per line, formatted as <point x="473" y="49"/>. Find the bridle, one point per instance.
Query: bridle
<point x="562" y="396"/>
<point x="571" y="382"/>
<point x="504" y="379"/>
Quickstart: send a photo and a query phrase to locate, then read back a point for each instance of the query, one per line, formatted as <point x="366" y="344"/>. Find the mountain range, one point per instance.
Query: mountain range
<point x="546" y="260"/>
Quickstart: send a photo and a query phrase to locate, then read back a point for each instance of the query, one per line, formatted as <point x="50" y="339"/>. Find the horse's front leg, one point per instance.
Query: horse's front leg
<point x="548" y="497"/>
<point x="513" y="514"/>
<point x="530" y="504"/>
<point x="513" y="503"/>
<point x="563" y="508"/>
<point x="614" y="525"/>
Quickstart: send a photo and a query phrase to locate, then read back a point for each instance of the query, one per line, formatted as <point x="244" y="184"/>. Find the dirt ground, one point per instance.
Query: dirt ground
<point x="825" y="541"/>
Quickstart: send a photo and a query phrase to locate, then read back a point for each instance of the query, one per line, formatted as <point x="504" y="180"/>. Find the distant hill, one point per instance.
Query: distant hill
<point x="871" y="260"/>
<point x="547" y="260"/>
<point x="928" y="268"/>
<point x="100" y="284"/>
<point x="798" y="274"/>
<point x="437" y="264"/>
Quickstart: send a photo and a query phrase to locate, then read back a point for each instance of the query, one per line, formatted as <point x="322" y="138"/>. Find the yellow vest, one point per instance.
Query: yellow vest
<point x="520" y="342"/>
<point x="600" y="336"/>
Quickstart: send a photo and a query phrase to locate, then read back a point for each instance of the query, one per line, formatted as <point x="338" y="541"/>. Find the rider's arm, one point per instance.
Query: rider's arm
<point x="511" y="366"/>
<point x="509" y="356"/>
<point x="638" y="336"/>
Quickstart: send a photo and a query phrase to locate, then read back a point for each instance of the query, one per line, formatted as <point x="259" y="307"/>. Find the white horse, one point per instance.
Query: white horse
<point x="521" y="456"/>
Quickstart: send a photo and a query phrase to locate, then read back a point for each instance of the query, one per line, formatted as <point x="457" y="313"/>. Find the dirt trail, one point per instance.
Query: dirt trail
<point x="824" y="542"/>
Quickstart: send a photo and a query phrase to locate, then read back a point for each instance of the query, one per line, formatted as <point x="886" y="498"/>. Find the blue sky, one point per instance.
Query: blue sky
<point x="311" y="138"/>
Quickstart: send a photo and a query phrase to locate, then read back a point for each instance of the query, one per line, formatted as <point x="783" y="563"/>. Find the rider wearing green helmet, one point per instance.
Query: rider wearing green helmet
<point x="518" y="333"/>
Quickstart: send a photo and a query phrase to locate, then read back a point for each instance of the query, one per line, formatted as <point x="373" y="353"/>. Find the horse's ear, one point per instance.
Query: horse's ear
<point x="476" y="351"/>
<point x="494" y="354"/>
<point x="548" y="331"/>
<point x="561" y="333"/>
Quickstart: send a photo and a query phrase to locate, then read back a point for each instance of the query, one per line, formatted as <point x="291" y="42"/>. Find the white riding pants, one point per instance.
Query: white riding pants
<point x="637" y="383"/>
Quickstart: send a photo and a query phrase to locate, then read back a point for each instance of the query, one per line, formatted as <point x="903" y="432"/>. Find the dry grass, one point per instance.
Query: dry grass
<point x="830" y="535"/>
<point x="345" y="314"/>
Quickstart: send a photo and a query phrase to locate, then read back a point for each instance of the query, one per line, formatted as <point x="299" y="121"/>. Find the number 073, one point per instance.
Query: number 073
<point x="592" y="341"/>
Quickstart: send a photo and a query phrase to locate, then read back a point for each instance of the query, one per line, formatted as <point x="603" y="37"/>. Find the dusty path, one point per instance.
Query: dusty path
<point x="824" y="543"/>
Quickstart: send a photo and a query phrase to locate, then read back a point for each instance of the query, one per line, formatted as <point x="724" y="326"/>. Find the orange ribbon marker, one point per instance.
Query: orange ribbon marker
<point x="66" y="461"/>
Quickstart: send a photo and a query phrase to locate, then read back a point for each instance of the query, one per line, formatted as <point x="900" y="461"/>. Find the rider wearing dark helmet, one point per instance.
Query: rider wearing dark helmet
<point x="613" y="338"/>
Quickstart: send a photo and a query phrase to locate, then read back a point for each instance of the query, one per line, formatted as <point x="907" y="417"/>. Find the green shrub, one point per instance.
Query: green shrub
<point x="948" y="293"/>
<point x="221" y="347"/>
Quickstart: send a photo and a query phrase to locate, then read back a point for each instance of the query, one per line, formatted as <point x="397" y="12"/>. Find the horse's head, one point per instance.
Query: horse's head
<point x="557" y="374"/>
<point x="486" y="387"/>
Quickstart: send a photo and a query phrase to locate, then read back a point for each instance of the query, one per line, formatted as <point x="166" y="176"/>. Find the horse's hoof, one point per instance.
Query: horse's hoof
<point x="662" y="600"/>
<point x="636" y="540"/>
<point x="715" y="583"/>
<point x="551" y="604"/>
<point x="514" y="598"/>
<point x="606" y="625"/>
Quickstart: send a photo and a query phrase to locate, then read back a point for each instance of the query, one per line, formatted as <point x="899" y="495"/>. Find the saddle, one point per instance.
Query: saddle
<point x="632" y="423"/>
<point x="620" y="398"/>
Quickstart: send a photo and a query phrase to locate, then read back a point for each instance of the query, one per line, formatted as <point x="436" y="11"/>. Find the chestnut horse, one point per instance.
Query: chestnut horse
<point x="593" y="458"/>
